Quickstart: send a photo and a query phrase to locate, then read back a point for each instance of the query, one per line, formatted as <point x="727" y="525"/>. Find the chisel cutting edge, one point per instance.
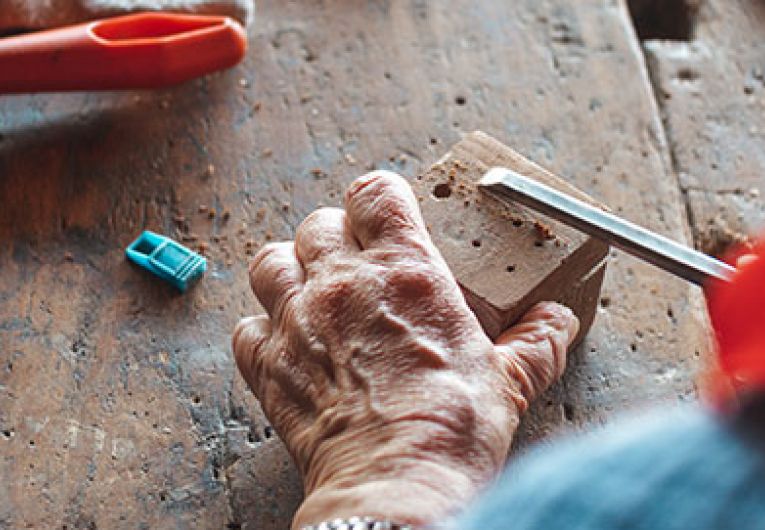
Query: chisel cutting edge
<point x="665" y="253"/>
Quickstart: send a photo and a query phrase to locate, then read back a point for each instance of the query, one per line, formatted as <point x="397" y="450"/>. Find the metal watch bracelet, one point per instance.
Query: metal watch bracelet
<point x="358" y="523"/>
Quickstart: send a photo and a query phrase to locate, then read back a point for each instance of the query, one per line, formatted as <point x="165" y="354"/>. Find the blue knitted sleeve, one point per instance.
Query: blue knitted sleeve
<point x="683" y="470"/>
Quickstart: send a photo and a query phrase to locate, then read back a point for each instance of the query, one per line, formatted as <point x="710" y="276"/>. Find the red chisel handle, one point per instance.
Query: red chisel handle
<point x="145" y="50"/>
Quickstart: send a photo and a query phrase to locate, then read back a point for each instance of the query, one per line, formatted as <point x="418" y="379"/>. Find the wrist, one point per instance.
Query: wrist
<point x="422" y="494"/>
<point x="417" y="473"/>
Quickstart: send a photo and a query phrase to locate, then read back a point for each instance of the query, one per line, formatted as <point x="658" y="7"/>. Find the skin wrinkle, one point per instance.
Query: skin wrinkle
<point x="525" y="384"/>
<point x="423" y="353"/>
<point x="409" y="448"/>
<point x="324" y="232"/>
<point x="314" y="353"/>
<point x="276" y="278"/>
<point x="374" y="372"/>
<point x="251" y="341"/>
<point x="433" y="482"/>
<point x="296" y="382"/>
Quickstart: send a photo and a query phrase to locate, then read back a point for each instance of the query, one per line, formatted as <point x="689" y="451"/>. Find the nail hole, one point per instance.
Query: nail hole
<point x="633" y="346"/>
<point x="476" y="243"/>
<point x="517" y="223"/>
<point x="268" y="431"/>
<point x="442" y="191"/>
<point x="253" y="437"/>
<point x="460" y="100"/>
<point x="605" y="302"/>
<point x="510" y="268"/>
<point x="687" y="74"/>
<point x="433" y="141"/>
<point x="7" y="433"/>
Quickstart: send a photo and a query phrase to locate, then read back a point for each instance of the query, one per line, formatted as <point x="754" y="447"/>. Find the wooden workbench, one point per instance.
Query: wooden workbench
<point x="119" y="402"/>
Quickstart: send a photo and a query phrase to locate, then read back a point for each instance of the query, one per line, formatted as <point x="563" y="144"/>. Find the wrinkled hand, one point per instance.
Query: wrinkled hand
<point x="373" y="370"/>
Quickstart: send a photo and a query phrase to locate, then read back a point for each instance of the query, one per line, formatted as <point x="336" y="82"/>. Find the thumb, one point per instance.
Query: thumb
<point x="534" y="350"/>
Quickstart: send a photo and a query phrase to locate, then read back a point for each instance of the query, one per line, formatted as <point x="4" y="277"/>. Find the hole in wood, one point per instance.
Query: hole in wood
<point x="476" y="243"/>
<point x="568" y="411"/>
<point x="253" y="437"/>
<point x="510" y="268"/>
<point x="687" y="74"/>
<point x="460" y="100"/>
<point x="442" y="191"/>
<point x="664" y="19"/>
<point x="517" y="223"/>
<point x="538" y="243"/>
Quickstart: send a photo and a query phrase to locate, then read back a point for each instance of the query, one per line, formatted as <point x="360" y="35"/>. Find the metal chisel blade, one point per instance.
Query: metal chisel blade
<point x="665" y="253"/>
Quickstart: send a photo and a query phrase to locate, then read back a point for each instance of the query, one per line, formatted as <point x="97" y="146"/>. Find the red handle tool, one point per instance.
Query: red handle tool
<point x="145" y="50"/>
<point x="737" y="311"/>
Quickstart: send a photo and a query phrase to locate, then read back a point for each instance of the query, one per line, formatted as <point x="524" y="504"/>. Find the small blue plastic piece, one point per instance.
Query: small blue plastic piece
<point x="166" y="258"/>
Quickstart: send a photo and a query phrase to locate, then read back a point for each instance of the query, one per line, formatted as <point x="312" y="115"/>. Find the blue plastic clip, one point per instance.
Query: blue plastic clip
<point x="167" y="259"/>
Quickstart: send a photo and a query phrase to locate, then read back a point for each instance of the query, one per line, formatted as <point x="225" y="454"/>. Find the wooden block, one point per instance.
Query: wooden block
<point x="507" y="258"/>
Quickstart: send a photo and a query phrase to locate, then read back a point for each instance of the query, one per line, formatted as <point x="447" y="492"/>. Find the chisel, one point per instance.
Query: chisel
<point x="656" y="249"/>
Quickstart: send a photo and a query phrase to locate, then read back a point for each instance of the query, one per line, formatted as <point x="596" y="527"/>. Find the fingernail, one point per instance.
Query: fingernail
<point x="564" y="319"/>
<point x="572" y="324"/>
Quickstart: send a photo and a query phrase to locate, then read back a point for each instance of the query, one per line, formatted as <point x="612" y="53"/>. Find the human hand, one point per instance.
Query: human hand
<point x="374" y="371"/>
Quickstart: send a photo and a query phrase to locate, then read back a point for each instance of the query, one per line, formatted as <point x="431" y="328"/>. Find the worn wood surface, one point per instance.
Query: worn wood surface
<point x="119" y="404"/>
<point x="712" y="95"/>
<point x="507" y="258"/>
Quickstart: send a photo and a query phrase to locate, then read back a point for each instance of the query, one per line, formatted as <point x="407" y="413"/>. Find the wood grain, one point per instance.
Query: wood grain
<point x="712" y="95"/>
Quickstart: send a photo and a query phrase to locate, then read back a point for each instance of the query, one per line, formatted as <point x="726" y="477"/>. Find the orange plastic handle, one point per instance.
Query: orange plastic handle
<point x="145" y="50"/>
